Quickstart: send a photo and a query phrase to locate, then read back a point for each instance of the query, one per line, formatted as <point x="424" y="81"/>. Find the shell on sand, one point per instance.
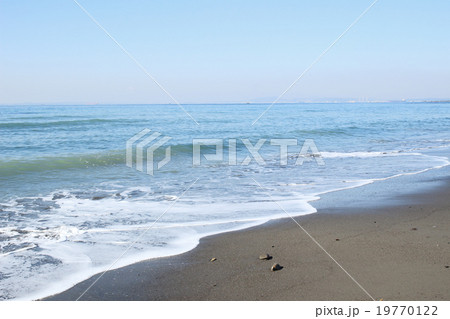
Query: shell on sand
<point x="276" y="267"/>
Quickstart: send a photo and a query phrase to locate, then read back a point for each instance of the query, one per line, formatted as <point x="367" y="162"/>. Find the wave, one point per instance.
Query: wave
<point x="106" y="158"/>
<point x="117" y="157"/>
<point x="27" y="125"/>
<point x="366" y="154"/>
<point x="350" y="130"/>
<point x="21" y="166"/>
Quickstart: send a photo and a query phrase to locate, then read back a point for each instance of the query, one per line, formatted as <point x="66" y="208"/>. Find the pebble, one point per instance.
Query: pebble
<point x="276" y="267"/>
<point x="213" y="259"/>
<point x="265" y="257"/>
<point x="414" y="228"/>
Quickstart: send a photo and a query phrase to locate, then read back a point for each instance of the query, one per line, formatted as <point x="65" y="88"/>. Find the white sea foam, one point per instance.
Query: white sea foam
<point x="83" y="232"/>
<point x="84" y="236"/>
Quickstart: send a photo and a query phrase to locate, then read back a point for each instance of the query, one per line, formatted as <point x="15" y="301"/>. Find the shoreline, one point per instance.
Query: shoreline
<point x="396" y="250"/>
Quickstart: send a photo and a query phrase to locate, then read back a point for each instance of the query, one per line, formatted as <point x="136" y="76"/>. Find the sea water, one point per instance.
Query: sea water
<point x="70" y="207"/>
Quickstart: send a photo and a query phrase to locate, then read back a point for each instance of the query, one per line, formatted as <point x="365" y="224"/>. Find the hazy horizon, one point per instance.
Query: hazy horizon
<point x="268" y="102"/>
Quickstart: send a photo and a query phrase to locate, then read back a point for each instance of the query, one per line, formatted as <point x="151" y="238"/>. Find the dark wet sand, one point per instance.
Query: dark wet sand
<point x="398" y="252"/>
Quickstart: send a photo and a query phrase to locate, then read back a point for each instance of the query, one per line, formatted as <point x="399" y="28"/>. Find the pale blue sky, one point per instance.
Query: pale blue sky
<point x="222" y="51"/>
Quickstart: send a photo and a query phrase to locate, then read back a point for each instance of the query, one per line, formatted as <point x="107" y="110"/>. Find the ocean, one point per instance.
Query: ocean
<point x="70" y="207"/>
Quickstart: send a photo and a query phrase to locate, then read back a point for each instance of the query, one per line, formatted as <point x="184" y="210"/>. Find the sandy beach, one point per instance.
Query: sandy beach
<point x="225" y="151"/>
<point x="396" y="251"/>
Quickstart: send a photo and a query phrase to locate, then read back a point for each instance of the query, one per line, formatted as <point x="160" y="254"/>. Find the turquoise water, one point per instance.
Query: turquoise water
<point x="69" y="206"/>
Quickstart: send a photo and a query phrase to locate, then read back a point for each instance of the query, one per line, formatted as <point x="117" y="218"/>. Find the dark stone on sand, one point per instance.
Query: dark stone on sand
<point x="265" y="257"/>
<point x="447" y="266"/>
<point x="276" y="267"/>
<point x="414" y="228"/>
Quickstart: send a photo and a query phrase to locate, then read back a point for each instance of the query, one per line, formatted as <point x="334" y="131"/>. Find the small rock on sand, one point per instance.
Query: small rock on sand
<point x="414" y="228"/>
<point x="213" y="259"/>
<point x="276" y="267"/>
<point x="265" y="257"/>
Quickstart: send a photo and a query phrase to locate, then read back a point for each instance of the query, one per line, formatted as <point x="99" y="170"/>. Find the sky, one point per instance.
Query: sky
<point x="222" y="51"/>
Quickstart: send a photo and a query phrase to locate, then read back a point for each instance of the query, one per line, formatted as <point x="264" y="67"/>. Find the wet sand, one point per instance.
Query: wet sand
<point x="399" y="251"/>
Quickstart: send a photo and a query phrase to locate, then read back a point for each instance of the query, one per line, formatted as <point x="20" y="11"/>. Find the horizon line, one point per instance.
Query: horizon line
<point x="235" y="103"/>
